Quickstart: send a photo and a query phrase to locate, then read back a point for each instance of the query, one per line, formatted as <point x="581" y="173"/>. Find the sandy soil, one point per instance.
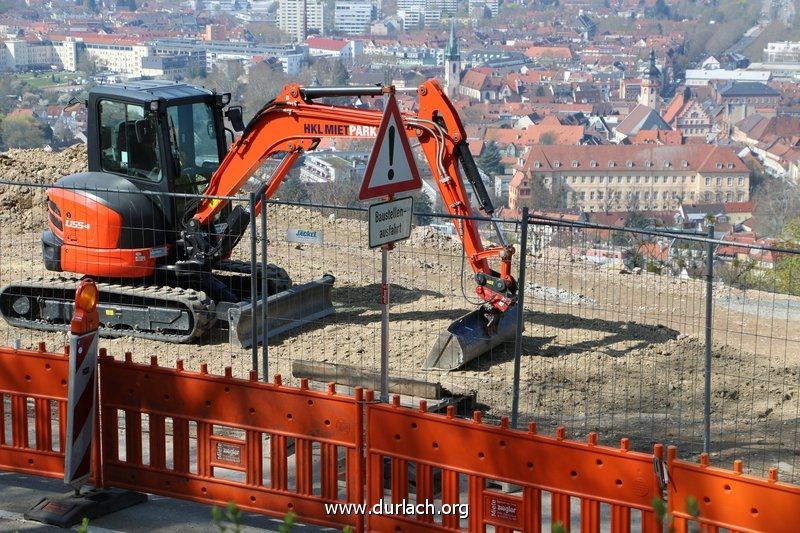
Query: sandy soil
<point x="602" y="351"/>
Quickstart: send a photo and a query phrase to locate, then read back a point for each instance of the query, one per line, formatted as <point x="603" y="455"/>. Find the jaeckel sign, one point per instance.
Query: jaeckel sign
<point x="305" y="236"/>
<point x="390" y="221"/>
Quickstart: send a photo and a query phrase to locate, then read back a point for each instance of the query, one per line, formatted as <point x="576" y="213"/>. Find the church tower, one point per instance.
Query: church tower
<point x="452" y="64"/>
<point x="651" y="82"/>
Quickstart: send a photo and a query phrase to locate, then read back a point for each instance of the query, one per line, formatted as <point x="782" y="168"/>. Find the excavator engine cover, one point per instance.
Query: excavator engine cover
<point x="467" y="339"/>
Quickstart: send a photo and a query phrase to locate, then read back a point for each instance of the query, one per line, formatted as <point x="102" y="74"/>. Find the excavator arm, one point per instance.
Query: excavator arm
<point x="293" y="123"/>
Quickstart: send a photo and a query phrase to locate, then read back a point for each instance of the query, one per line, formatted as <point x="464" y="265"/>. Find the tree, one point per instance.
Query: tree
<point x="226" y="76"/>
<point x="777" y="203"/>
<point x="423" y="206"/>
<point x="489" y="159"/>
<point x="293" y="190"/>
<point x="87" y="64"/>
<point x="264" y="32"/>
<point x="62" y="134"/>
<point x="785" y="275"/>
<point x="540" y="90"/>
<point x="661" y="10"/>
<point x="21" y="132"/>
<point x="264" y="82"/>
<point x="541" y="198"/>
<point x="548" y="138"/>
<point x="326" y="72"/>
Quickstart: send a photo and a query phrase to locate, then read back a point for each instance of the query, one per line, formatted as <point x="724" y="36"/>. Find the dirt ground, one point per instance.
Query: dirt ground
<point x="620" y="354"/>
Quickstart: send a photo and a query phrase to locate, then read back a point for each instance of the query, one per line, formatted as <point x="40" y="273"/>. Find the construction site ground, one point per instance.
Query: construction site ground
<point x="620" y="354"/>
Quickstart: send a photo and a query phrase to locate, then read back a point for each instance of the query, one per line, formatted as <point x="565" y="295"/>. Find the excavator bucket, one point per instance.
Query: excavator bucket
<point x="286" y="310"/>
<point x="466" y="339"/>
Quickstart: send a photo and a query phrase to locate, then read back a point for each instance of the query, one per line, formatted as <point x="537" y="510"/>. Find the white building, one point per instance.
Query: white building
<point x="326" y="168"/>
<point x="353" y="17"/>
<point x="782" y="52"/>
<point x="701" y="77"/>
<point x="448" y="7"/>
<point x="300" y="17"/>
<point x="411" y="19"/>
<point x="345" y="49"/>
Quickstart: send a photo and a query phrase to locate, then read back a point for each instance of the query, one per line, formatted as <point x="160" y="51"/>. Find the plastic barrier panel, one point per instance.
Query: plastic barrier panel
<point x="415" y="458"/>
<point x="33" y="385"/>
<point x="728" y="499"/>
<point x="271" y="449"/>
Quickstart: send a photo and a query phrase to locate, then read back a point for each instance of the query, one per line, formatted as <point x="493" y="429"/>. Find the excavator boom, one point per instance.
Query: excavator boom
<point x="294" y="123"/>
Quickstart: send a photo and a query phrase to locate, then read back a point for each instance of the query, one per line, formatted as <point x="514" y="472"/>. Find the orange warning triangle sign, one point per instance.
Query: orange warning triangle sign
<point x="391" y="168"/>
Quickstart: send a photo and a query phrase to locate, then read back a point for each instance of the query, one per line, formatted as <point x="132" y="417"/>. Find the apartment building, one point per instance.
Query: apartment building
<point x="299" y="18"/>
<point x="292" y="57"/>
<point x="631" y="177"/>
<point x="119" y="54"/>
<point x="20" y="55"/>
<point x="352" y="17"/>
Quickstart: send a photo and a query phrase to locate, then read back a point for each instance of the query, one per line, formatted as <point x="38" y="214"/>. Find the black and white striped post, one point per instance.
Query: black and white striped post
<point x="82" y="392"/>
<point x="82" y="407"/>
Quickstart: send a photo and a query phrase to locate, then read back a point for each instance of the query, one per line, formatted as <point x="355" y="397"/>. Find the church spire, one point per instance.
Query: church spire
<point x="652" y="69"/>
<point x="451" y="51"/>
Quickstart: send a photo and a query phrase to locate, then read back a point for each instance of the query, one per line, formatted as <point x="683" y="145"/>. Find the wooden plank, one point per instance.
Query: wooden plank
<point x="356" y="377"/>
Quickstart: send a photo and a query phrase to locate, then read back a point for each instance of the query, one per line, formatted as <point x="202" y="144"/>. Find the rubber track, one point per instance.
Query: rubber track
<point x="200" y="305"/>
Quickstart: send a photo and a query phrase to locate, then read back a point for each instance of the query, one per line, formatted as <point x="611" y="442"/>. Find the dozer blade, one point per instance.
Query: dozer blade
<point x="466" y="339"/>
<point x="286" y="310"/>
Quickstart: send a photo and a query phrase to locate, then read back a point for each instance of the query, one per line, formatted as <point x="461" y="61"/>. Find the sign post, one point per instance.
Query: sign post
<point x="390" y="170"/>
<point x="69" y="510"/>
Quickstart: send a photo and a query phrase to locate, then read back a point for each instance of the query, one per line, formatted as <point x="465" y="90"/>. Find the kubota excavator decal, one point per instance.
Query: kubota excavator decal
<point x="77" y="224"/>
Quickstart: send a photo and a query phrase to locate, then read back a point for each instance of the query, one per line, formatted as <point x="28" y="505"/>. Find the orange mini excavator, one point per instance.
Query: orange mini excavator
<point x="163" y="258"/>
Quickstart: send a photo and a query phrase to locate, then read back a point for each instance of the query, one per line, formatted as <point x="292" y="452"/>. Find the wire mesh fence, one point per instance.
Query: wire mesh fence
<point x="614" y="336"/>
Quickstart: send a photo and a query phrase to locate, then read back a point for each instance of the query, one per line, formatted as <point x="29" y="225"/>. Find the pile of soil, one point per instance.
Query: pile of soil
<point x="25" y="208"/>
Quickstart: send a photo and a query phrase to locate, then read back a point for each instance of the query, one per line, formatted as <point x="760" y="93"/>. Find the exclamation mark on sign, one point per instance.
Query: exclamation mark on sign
<point x="391" y="153"/>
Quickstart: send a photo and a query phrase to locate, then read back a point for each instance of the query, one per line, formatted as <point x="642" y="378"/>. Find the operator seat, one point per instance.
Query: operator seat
<point x="141" y="155"/>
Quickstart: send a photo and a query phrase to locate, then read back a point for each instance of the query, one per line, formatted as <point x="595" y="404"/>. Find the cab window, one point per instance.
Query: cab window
<point x="129" y="141"/>
<point x="193" y="144"/>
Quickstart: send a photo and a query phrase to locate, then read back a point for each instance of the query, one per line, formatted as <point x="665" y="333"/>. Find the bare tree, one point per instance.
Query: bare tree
<point x="777" y="202"/>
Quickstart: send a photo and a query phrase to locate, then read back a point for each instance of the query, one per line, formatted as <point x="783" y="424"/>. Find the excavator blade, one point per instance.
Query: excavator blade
<point x="286" y="310"/>
<point x="466" y="339"/>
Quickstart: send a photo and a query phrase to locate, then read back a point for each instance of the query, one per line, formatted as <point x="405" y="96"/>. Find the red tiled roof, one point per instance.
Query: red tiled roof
<point x="698" y="158"/>
<point x="559" y="52"/>
<point x="322" y="43"/>
<point x="739" y="207"/>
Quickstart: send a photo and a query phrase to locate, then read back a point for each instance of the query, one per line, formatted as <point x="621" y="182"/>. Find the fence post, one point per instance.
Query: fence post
<point x="253" y="282"/>
<point x="708" y="338"/>
<point x="264" y="289"/>
<point x="520" y="317"/>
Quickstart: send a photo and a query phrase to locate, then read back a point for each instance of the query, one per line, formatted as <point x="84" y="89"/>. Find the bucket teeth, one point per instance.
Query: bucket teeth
<point x="467" y="338"/>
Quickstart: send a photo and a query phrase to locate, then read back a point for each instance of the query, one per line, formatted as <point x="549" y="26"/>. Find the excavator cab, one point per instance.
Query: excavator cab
<point x="159" y="135"/>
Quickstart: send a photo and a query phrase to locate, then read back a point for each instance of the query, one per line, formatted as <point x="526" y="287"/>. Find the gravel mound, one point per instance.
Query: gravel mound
<point x="24" y="208"/>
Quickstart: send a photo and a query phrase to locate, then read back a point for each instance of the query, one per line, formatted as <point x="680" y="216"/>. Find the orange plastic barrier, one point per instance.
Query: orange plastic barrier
<point x="212" y="439"/>
<point x="474" y="452"/>
<point x="273" y="449"/>
<point x="729" y="499"/>
<point x="38" y="378"/>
